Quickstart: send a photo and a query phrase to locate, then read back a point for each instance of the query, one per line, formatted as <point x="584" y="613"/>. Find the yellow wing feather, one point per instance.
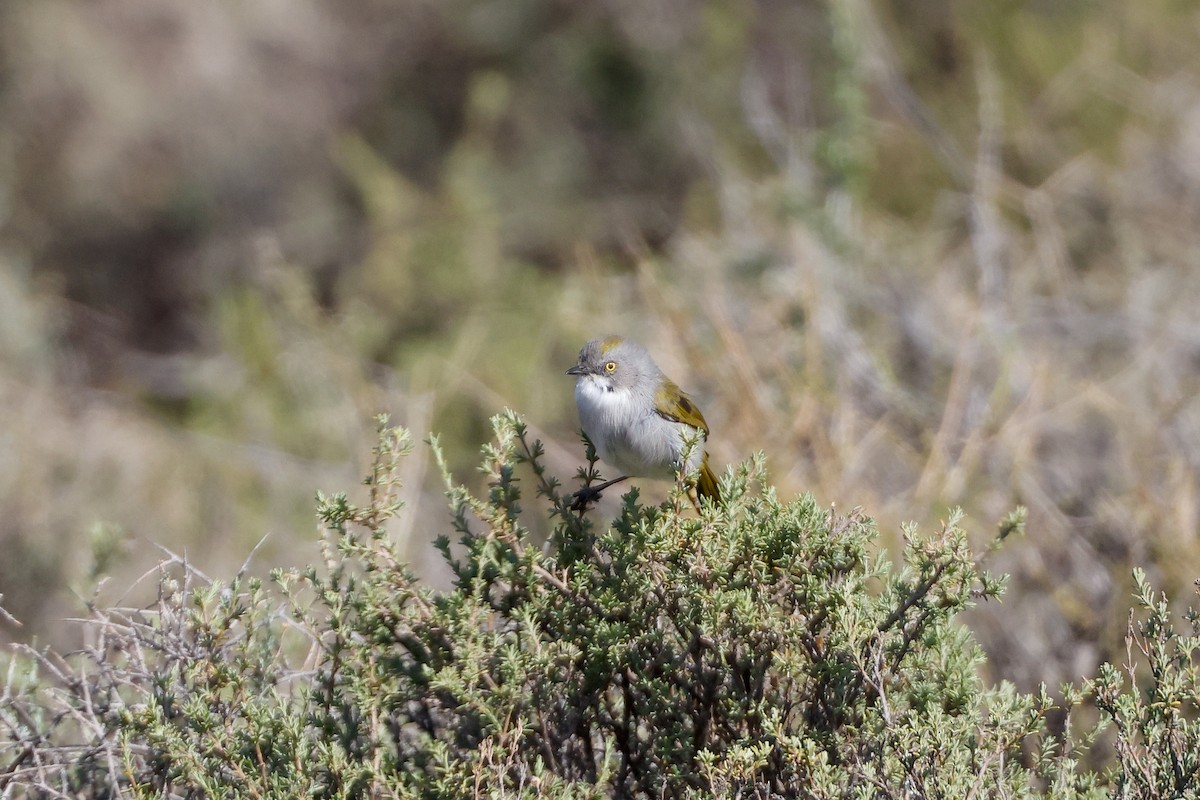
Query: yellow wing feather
<point x="672" y="403"/>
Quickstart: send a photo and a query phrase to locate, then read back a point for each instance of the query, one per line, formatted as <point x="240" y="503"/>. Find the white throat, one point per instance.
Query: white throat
<point x="604" y="407"/>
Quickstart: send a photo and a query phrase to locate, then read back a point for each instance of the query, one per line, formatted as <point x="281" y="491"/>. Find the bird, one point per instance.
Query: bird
<point x="638" y="419"/>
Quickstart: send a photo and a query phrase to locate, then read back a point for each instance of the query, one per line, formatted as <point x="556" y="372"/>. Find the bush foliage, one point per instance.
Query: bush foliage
<point x="759" y="648"/>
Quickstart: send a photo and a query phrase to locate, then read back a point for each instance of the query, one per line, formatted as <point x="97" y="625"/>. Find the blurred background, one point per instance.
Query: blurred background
<point x="923" y="253"/>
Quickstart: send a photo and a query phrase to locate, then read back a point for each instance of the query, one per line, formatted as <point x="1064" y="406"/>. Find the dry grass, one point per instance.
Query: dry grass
<point x="913" y="289"/>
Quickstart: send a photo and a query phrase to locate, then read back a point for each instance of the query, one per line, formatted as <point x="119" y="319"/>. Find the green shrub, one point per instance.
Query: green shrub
<point x="753" y="649"/>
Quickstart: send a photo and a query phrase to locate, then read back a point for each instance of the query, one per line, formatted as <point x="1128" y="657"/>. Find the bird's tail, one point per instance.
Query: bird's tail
<point x="706" y="483"/>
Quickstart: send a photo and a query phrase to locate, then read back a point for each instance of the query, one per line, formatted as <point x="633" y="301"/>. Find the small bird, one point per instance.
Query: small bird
<point x="637" y="418"/>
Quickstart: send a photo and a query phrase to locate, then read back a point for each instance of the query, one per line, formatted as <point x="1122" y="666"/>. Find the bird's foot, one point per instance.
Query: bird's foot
<point x="584" y="497"/>
<point x="590" y="494"/>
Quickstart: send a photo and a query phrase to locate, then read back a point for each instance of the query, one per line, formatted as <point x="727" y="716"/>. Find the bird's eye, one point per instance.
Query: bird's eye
<point x="610" y="366"/>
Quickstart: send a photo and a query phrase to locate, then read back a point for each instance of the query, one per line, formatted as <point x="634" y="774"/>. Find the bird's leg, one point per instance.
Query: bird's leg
<point x="590" y="494"/>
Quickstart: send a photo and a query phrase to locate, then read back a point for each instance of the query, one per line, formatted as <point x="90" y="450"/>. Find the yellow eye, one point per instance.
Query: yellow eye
<point x="610" y="366"/>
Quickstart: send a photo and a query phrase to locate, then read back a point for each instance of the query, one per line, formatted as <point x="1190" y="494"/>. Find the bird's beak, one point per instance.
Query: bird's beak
<point x="578" y="369"/>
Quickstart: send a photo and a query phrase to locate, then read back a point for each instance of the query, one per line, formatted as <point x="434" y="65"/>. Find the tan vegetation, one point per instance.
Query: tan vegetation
<point x="921" y="254"/>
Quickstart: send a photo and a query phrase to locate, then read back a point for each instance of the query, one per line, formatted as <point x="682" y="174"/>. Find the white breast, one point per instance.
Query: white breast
<point x="628" y="434"/>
